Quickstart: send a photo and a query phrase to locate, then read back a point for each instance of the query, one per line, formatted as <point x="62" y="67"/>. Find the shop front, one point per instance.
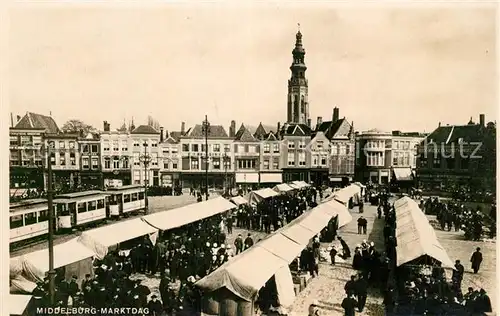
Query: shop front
<point x="91" y="180"/>
<point x="270" y="179"/>
<point x="290" y="175"/>
<point x="319" y="176"/>
<point x="26" y="178"/>
<point x="170" y="179"/>
<point x="122" y="176"/>
<point x="198" y="180"/>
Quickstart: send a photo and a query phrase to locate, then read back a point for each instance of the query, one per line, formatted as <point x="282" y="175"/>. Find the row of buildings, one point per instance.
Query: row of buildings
<point x="328" y="152"/>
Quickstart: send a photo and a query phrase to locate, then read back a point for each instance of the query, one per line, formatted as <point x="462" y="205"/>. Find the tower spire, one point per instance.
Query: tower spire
<point x="298" y="105"/>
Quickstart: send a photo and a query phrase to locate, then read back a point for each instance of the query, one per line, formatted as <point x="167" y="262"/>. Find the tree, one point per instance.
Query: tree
<point x="76" y="126"/>
<point x="153" y="123"/>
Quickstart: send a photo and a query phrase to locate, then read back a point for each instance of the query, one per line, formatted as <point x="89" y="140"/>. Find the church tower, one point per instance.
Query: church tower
<point x="298" y="105"/>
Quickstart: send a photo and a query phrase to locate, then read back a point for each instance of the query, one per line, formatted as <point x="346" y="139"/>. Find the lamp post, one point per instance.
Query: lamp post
<point x="145" y="159"/>
<point x="226" y="159"/>
<point x="206" y="131"/>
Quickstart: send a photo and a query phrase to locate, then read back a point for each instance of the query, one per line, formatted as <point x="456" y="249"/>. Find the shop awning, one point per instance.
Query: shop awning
<point x="238" y="200"/>
<point x="300" y="184"/>
<point x="403" y="174"/>
<point x="35" y="264"/>
<point x="259" y="195"/>
<point x="335" y="179"/>
<point x="345" y="194"/>
<point x="271" y="178"/>
<point x="100" y="239"/>
<point x="17" y="304"/>
<point x="359" y="184"/>
<point x="247" y="177"/>
<point x="283" y="187"/>
<point x="188" y="214"/>
<point x="415" y="236"/>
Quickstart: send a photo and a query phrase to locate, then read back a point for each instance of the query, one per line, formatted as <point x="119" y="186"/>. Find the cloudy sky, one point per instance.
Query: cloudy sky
<point x="390" y="68"/>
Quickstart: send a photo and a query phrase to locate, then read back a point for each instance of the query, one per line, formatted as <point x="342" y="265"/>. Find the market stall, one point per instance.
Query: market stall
<point x="300" y="184"/>
<point x="349" y="196"/>
<point x="238" y="200"/>
<point x="101" y="240"/>
<point x="262" y="194"/>
<point x="188" y="214"/>
<point x="283" y="188"/>
<point x="70" y="258"/>
<point x="19" y="305"/>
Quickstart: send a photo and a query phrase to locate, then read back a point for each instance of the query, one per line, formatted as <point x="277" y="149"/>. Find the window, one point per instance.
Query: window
<point x="291" y="159"/>
<point x="95" y="163"/>
<point x="227" y="148"/>
<point x="52" y="144"/>
<point x="85" y="148"/>
<point x="85" y="162"/>
<point x="125" y="163"/>
<point x="302" y="159"/>
<point x="216" y="148"/>
<point x="137" y="161"/>
<point x="247" y="148"/>
<point x="134" y="197"/>
<point x="14" y="142"/>
<point x="71" y="145"/>
<point x="52" y="158"/>
<point x="100" y="204"/>
<point x="61" y="144"/>
<point x="406" y="158"/>
<point x="43" y="216"/>
<point x="267" y="148"/>
<point x="194" y="147"/>
<point x="82" y="207"/>
<point x="105" y="146"/>
<point x="124" y="145"/>
<point x="319" y="144"/>
<point x="62" y="158"/>
<point x="276" y="163"/>
<point x="347" y="149"/>
<point x="154" y="159"/>
<point x="115" y="145"/>
<point x="174" y="164"/>
<point x="252" y="149"/>
<point x="116" y="163"/>
<point x="166" y="165"/>
<point x="37" y="140"/>
<point x="395" y="159"/>
<point x="26" y="141"/>
<point x="375" y="159"/>
<point x="246" y="164"/>
<point x="323" y="161"/>
<point x="302" y="144"/>
<point x="266" y="164"/>
<point x="126" y="198"/>
<point x="185" y="147"/>
<point x="227" y="163"/>
<point x="203" y="149"/>
<point x="174" y="149"/>
<point x="291" y="145"/>
<point x="195" y="164"/>
<point x="136" y="143"/>
<point x="216" y="163"/>
<point x="437" y="161"/>
<point x="137" y="177"/>
<point x="154" y="143"/>
<point x="94" y="148"/>
<point x="276" y="148"/>
<point x="334" y="149"/>
<point x="107" y="163"/>
<point x="72" y="159"/>
<point x="407" y="145"/>
<point x="16" y="221"/>
<point x="92" y="205"/>
<point x="315" y="160"/>
<point x="241" y="149"/>
<point x="342" y="150"/>
<point x="29" y="219"/>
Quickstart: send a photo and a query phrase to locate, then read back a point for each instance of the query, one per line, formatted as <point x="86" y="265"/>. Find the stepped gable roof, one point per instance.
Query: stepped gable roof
<point x="38" y="121"/>
<point x="216" y="131"/>
<point x="244" y="135"/>
<point x="144" y="129"/>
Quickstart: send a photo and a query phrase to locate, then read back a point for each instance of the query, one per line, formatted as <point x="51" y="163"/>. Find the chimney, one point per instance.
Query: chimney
<point x="167" y="135"/>
<point x="18" y="118"/>
<point x="183" y="128"/>
<point x="278" y="127"/>
<point x="309" y="123"/>
<point x="439" y="125"/>
<point x="481" y="120"/>
<point x="106" y="126"/>
<point x="11" y="119"/>
<point x="320" y="120"/>
<point x="161" y="134"/>
<point x="232" y="129"/>
<point x="335" y="117"/>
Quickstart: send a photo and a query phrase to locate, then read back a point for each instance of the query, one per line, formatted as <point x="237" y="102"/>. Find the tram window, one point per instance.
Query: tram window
<point x="141" y="195"/>
<point x="126" y="198"/>
<point x="134" y="196"/>
<point x="29" y="219"/>
<point x="43" y="216"/>
<point x="100" y="204"/>
<point x="113" y="200"/>
<point x="62" y="209"/>
<point x="92" y="205"/>
<point x="16" y="221"/>
<point x="72" y="208"/>
<point x="82" y="207"/>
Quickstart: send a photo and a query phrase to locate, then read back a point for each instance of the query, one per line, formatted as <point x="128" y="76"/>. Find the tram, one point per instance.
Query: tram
<point x="28" y="219"/>
<point x="79" y="208"/>
<point x="126" y="199"/>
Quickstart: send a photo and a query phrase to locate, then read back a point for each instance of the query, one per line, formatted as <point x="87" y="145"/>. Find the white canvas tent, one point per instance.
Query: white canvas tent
<point x="188" y="214"/>
<point x="344" y="217"/>
<point x="262" y="194"/>
<point x="300" y="184"/>
<point x="345" y="194"/>
<point x="32" y="267"/>
<point x="283" y="188"/>
<point x="415" y="236"/>
<point x="238" y="200"/>
<point x="99" y="240"/>
<point x="18" y="304"/>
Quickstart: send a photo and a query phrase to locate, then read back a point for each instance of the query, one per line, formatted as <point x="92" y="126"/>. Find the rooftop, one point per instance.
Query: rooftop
<point x="37" y="121"/>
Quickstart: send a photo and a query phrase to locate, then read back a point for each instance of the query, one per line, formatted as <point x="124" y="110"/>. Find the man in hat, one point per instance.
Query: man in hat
<point x="238" y="243"/>
<point x="314" y="309"/>
<point x="458" y="273"/>
<point x="333" y="254"/>
<point x="476" y="259"/>
<point x="86" y="281"/>
<point x="142" y="291"/>
<point x="155" y="307"/>
<point x="349" y="305"/>
<point x="248" y="241"/>
<point x="361" y="290"/>
<point x="73" y="286"/>
<point x="350" y="286"/>
<point x="345" y="248"/>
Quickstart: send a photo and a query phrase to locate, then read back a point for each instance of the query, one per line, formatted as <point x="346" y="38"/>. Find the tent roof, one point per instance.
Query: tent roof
<point x="415" y="236"/>
<point x="238" y="200"/>
<point x="18" y="303"/>
<point x="119" y="232"/>
<point x="188" y="214"/>
<point x="300" y="184"/>
<point x="283" y="187"/>
<point x="343" y="195"/>
<point x="403" y="174"/>
<point x="359" y="184"/>
<point x="64" y="254"/>
<point x="264" y="193"/>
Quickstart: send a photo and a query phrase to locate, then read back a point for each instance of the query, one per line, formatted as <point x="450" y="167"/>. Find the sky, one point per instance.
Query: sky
<point x="391" y="68"/>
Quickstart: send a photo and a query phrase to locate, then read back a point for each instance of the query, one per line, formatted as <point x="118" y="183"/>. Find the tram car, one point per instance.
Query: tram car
<point x="126" y="200"/>
<point x="28" y="219"/>
<point x="81" y="208"/>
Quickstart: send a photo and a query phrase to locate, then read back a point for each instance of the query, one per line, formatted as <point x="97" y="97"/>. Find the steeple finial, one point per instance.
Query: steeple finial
<point x="298" y="27"/>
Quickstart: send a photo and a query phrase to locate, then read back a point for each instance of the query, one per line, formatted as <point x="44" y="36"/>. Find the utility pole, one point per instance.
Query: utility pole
<point x="145" y="159"/>
<point x="50" y="192"/>
<point x="258" y="170"/>
<point x="206" y="128"/>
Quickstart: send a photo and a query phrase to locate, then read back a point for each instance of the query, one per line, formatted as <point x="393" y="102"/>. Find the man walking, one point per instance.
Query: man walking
<point x="476" y="259"/>
<point x="362" y="224"/>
